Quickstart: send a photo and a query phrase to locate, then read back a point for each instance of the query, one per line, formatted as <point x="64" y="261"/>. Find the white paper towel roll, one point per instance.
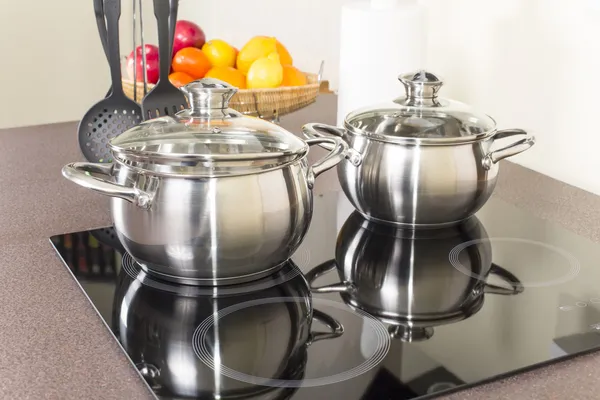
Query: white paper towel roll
<point x="379" y="40"/>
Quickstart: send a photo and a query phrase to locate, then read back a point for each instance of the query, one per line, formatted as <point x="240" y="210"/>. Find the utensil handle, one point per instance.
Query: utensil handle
<point x="335" y="156"/>
<point x="162" y="12"/>
<point x="99" y="11"/>
<point x="334" y="325"/>
<point x="510" y="150"/>
<point x="322" y="269"/>
<point x="315" y="130"/>
<point x="172" y="25"/>
<point x="79" y="173"/>
<point x="112" y="10"/>
<point x="145" y="74"/>
<point x="516" y="286"/>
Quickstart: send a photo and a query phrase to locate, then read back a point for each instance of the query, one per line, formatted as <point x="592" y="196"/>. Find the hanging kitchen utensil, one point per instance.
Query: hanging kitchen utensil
<point x="101" y="22"/>
<point x="143" y="45"/>
<point x="164" y="99"/>
<point x="116" y="113"/>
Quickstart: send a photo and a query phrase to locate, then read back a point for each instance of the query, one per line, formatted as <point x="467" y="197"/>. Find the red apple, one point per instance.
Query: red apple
<point x="152" y="64"/>
<point x="187" y="34"/>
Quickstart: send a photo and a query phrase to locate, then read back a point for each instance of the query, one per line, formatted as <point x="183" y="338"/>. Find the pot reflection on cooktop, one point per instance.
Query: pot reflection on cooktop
<point x="405" y="278"/>
<point x="390" y="315"/>
<point x="257" y="335"/>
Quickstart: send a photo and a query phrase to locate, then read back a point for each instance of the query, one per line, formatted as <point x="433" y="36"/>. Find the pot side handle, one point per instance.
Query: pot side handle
<point x="322" y="269"/>
<point x="510" y="150"/>
<point x="335" y="156"/>
<point x="79" y="173"/>
<point x="516" y="286"/>
<point x="315" y="130"/>
<point x="336" y="328"/>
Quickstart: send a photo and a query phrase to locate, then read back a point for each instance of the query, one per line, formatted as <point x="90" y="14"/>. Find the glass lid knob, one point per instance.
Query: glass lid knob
<point x="208" y="94"/>
<point x="422" y="87"/>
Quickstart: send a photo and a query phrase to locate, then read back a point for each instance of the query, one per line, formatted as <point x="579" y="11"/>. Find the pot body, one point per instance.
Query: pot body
<point x="157" y="329"/>
<point x="219" y="230"/>
<point x="417" y="185"/>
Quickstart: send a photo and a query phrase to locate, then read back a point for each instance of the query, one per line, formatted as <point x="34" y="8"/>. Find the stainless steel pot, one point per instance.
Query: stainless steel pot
<point x="209" y="196"/>
<point x="420" y="160"/>
<point x="405" y="278"/>
<point x="157" y="324"/>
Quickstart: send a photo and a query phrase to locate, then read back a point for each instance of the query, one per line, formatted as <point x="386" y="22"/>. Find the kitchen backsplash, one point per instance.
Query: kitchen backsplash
<point x="530" y="64"/>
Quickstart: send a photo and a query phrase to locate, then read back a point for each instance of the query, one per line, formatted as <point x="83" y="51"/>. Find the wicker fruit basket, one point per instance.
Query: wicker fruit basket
<point x="262" y="103"/>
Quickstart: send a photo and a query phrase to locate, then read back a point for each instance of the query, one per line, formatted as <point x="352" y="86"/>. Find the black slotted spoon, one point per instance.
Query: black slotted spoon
<point x="99" y="11"/>
<point x="164" y="99"/>
<point x="114" y="114"/>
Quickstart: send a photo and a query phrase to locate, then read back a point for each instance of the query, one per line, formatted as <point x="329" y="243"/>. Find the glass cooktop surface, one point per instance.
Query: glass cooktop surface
<point x="361" y="311"/>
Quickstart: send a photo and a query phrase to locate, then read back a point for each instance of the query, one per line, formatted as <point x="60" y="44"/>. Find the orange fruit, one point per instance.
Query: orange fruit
<point x="229" y="75"/>
<point x="192" y="61"/>
<point x="284" y="54"/>
<point x="257" y="47"/>
<point x="292" y="76"/>
<point x="266" y="72"/>
<point x="220" y="53"/>
<point x="179" y="79"/>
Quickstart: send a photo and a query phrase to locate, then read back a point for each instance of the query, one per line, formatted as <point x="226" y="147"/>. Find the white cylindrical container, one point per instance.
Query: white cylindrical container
<point x="379" y="39"/>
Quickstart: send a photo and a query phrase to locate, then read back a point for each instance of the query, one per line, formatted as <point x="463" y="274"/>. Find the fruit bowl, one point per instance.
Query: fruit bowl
<point x="268" y="104"/>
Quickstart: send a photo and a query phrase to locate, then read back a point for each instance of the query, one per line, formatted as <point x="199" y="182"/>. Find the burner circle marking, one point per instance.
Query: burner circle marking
<point x="382" y="339"/>
<point x="574" y="266"/>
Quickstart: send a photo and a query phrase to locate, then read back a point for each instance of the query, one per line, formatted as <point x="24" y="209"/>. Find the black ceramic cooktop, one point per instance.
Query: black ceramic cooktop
<point x="408" y="314"/>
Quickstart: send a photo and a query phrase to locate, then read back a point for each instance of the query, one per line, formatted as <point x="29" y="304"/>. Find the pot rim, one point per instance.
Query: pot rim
<point x="449" y="141"/>
<point x="213" y="157"/>
<point x="205" y="166"/>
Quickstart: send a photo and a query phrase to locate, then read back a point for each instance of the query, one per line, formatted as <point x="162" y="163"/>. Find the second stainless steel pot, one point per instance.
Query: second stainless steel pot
<point x="208" y="196"/>
<point x="420" y="160"/>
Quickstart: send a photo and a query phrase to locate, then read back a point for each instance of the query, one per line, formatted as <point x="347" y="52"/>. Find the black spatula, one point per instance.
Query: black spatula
<point x="116" y="113"/>
<point x="164" y="99"/>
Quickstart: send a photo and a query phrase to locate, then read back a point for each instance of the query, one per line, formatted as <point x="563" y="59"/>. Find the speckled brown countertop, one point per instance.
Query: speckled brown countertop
<point x="52" y="343"/>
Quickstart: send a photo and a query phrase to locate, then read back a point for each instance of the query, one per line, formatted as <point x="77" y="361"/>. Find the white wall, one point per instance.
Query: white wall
<point x="530" y="64"/>
<point x="53" y="67"/>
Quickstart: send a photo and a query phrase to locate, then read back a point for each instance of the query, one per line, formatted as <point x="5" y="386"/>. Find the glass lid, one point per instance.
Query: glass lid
<point x="421" y="116"/>
<point x="208" y="132"/>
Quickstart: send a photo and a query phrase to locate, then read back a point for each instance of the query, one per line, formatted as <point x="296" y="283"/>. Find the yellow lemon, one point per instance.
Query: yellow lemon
<point x="220" y="53"/>
<point x="265" y="72"/>
<point x="257" y="47"/>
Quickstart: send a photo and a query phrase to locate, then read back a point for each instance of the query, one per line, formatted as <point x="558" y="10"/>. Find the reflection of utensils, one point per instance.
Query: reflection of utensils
<point x="69" y="253"/>
<point x="94" y="250"/>
<point x="109" y="260"/>
<point x="82" y="254"/>
<point x="108" y="236"/>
